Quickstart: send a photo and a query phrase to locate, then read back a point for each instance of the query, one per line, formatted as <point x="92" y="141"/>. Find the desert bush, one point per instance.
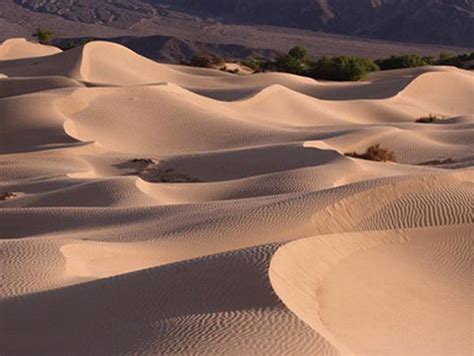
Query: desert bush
<point x="375" y="153"/>
<point x="73" y="43"/>
<point x="428" y="119"/>
<point x="252" y="63"/>
<point x="294" y="62"/>
<point x="43" y="36"/>
<point x="438" y="162"/>
<point x="7" y="195"/>
<point x="341" y="68"/>
<point x="151" y="171"/>
<point x="402" y="61"/>
<point x="298" y="53"/>
<point x="465" y="61"/>
<point x="206" y="60"/>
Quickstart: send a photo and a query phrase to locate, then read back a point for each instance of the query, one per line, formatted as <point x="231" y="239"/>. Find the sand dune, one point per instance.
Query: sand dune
<point x="17" y="48"/>
<point x="403" y="284"/>
<point x="157" y="209"/>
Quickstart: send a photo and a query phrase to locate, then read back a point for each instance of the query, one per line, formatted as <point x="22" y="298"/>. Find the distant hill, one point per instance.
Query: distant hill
<point x="174" y="30"/>
<point x="425" y="21"/>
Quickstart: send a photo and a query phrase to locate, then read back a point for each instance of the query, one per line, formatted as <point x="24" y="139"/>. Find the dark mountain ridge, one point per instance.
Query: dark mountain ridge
<point x="174" y="30"/>
<point x="449" y="22"/>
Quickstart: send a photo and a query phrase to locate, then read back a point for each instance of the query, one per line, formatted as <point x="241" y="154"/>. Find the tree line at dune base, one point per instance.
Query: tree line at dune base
<point x="297" y="61"/>
<point x="349" y="68"/>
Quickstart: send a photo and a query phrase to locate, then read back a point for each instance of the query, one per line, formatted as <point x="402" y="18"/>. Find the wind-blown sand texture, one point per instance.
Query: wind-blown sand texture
<point x="158" y="209"/>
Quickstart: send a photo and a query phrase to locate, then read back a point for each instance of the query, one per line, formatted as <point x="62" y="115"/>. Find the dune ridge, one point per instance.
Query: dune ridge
<point x="162" y="209"/>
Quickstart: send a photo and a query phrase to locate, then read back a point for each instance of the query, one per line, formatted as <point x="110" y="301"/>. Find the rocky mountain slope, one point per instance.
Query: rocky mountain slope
<point x="174" y="30"/>
<point x="425" y="21"/>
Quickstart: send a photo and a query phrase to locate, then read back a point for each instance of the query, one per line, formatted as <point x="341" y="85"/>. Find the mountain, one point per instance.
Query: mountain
<point x="424" y="21"/>
<point x="174" y="30"/>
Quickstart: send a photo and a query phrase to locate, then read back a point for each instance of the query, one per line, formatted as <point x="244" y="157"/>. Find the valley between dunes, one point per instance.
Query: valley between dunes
<point x="163" y="209"/>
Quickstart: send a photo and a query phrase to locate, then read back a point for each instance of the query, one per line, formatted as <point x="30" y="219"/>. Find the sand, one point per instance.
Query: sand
<point x="161" y="209"/>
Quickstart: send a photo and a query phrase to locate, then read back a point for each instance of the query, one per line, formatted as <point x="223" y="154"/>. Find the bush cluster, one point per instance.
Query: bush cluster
<point x="403" y="61"/>
<point x="375" y="153"/>
<point x="44" y="36"/>
<point x="428" y="119"/>
<point x="297" y="61"/>
<point x="206" y="60"/>
<point x="342" y="68"/>
<point x="465" y="61"/>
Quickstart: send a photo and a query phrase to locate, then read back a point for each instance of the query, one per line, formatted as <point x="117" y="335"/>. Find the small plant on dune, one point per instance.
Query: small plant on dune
<point x="72" y="43"/>
<point x="252" y="63"/>
<point x="342" y="68"/>
<point x="206" y="60"/>
<point x="403" y="61"/>
<point x="44" y="36"/>
<point x="428" y="119"/>
<point x="7" y="195"/>
<point x="438" y="162"/>
<point x="375" y="153"/>
<point x="151" y="171"/>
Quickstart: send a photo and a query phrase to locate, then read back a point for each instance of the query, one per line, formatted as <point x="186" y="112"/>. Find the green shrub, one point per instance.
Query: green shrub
<point x="252" y="63"/>
<point x="341" y="68"/>
<point x="43" y="36"/>
<point x="73" y="43"/>
<point x="294" y="62"/>
<point x="465" y="61"/>
<point x="298" y="53"/>
<point x="206" y="60"/>
<point x="402" y="61"/>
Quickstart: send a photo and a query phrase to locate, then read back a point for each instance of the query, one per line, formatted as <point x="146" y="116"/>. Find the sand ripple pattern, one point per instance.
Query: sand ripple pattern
<point x="155" y="209"/>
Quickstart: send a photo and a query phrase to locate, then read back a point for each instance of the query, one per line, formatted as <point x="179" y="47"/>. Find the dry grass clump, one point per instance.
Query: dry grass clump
<point x="7" y="195"/>
<point x="438" y="162"/>
<point x="169" y="175"/>
<point x="150" y="170"/>
<point x="429" y="119"/>
<point x="375" y="153"/>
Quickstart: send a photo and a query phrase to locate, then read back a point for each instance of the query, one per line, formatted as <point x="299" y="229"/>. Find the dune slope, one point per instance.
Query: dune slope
<point x="156" y="209"/>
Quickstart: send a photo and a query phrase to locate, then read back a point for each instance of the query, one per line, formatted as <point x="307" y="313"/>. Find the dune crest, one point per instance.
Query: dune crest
<point x="18" y="48"/>
<point x="159" y="209"/>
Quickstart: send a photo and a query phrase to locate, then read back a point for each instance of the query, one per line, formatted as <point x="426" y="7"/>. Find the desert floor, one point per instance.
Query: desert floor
<point x="158" y="209"/>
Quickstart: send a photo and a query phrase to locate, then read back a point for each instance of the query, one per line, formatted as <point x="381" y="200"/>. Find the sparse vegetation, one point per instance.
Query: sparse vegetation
<point x="168" y="175"/>
<point x="342" y="68"/>
<point x="294" y="62"/>
<point x="150" y="170"/>
<point x="44" y="36"/>
<point x="73" y="43"/>
<point x="402" y="61"/>
<point x="438" y="162"/>
<point x="375" y="153"/>
<point x="206" y="60"/>
<point x="465" y="61"/>
<point x="428" y="119"/>
<point x="7" y="195"/>
<point x="252" y="63"/>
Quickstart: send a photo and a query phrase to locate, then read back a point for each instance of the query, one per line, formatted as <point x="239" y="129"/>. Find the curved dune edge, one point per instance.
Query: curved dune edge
<point x="90" y="255"/>
<point x="19" y="48"/>
<point x="90" y="63"/>
<point x="382" y="292"/>
<point x="172" y="309"/>
<point x="102" y="259"/>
